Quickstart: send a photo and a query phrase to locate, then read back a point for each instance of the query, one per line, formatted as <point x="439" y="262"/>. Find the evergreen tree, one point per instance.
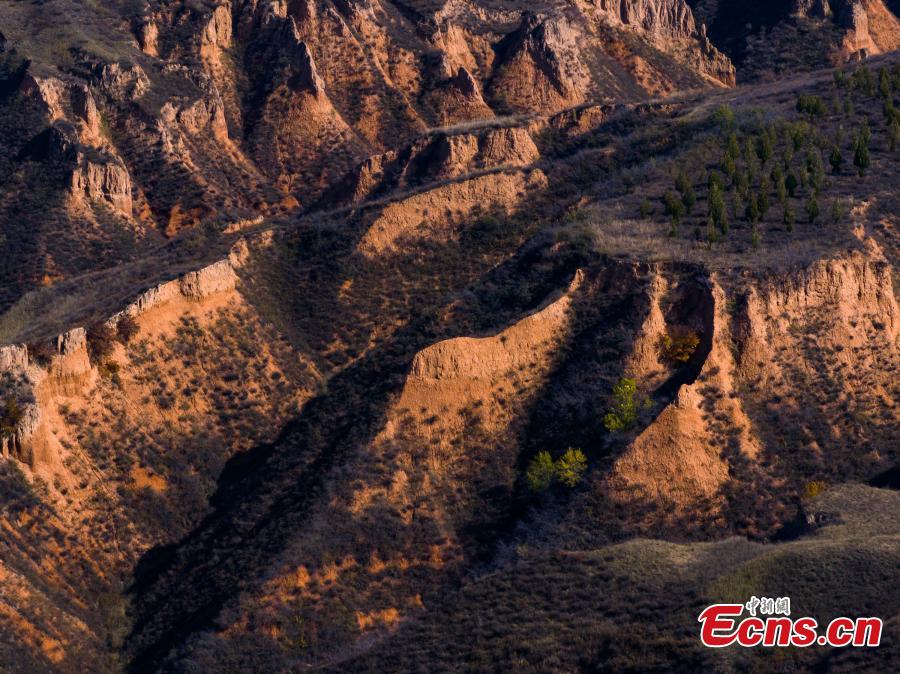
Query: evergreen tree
<point x="840" y="78"/>
<point x="688" y="196"/>
<point x="742" y="183"/>
<point x="788" y="154"/>
<point x="816" y="170"/>
<point x="861" y="158"/>
<point x="791" y="183"/>
<point x="893" y="134"/>
<point x="751" y="160"/>
<point x="733" y="148"/>
<point x="646" y="208"/>
<point x="730" y="167"/>
<point x="766" y="147"/>
<point x="836" y="159"/>
<point x="837" y="211"/>
<point x="778" y="180"/>
<point x="849" y="109"/>
<point x="737" y="206"/>
<point x="790" y="217"/>
<point x="717" y="211"/>
<point x="763" y="201"/>
<point x="884" y="83"/>
<point x="712" y="234"/>
<point x="673" y="207"/>
<point x="812" y="208"/>
<point x="752" y="211"/>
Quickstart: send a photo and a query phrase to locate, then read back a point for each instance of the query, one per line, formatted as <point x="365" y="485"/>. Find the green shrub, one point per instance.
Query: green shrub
<point x="752" y="210"/>
<point x="814" y="488"/>
<point x="838" y="211"/>
<point x="678" y="345"/>
<point x="766" y="147"/>
<point x="717" y="210"/>
<point x="861" y="158"/>
<point x="893" y="134"/>
<point x="884" y="83"/>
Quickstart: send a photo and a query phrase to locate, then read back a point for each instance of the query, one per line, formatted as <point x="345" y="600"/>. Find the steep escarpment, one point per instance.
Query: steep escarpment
<point x="745" y="416"/>
<point x="119" y="431"/>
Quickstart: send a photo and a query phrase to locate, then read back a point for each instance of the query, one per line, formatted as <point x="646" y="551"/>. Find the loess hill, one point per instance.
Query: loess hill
<point x="299" y="301"/>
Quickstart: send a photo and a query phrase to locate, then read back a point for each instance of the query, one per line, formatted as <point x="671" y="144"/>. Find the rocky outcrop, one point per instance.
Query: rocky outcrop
<point x="120" y="82"/>
<point x="298" y="136"/>
<point x="147" y="34"/>
<point x="218" y="30"/>
<point x="541" y="67"/>
<point x="11" y="357"/>
<point x="869" y="26"/>
<point x="435" y="158"/>
<point x="713" y="62"/>
<point x="657" y="17"/>
<point x="215" y="278"/>
<point x="101" y="177"/>
<point x="459" y="99"/>
<point x="204" y="115"/>
<point x="883" y="26"/>
<point x="461" y="362"/>
<point x="817" y="9"/>
<point x="670" y="25"/>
